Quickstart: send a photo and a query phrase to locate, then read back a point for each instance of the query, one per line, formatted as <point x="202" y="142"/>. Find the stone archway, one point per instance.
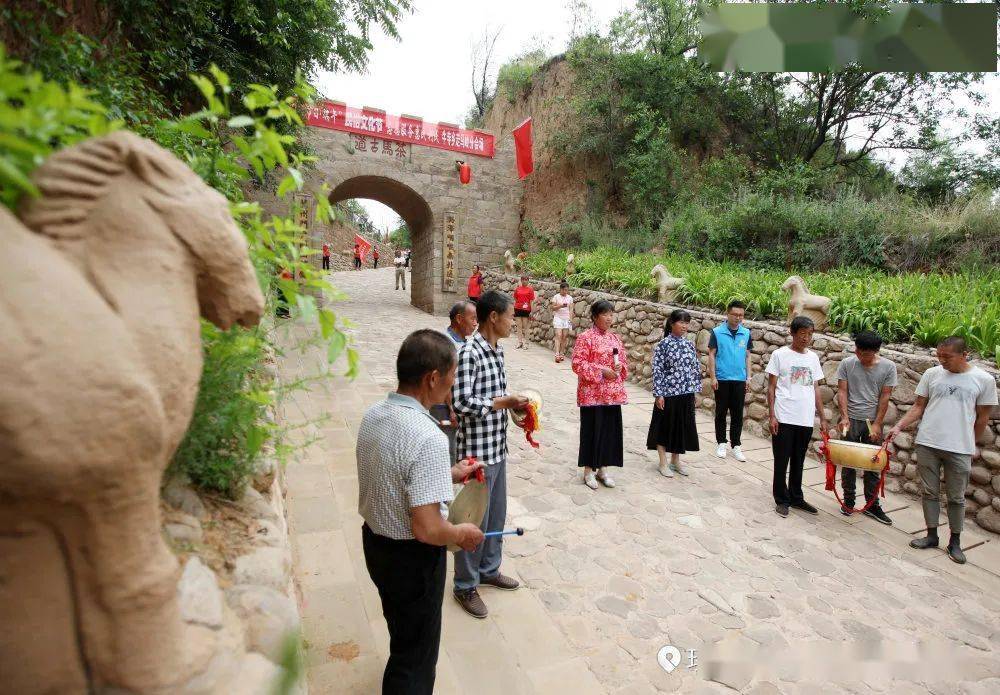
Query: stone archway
<point x="417" y="214"/>
<point x="421" y="184"/>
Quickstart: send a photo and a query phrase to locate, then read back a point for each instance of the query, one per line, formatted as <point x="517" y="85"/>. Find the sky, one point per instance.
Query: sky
<point x="427" y="73"/>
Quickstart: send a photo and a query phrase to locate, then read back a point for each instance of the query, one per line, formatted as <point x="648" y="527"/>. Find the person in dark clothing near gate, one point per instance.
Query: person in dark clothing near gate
<point x="864" y="386"/>
<point x="404" y="477"/>
<point x="729" y="370"/>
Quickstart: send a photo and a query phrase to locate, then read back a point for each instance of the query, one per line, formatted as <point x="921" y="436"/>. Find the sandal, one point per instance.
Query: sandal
<point x="559" y="358"/>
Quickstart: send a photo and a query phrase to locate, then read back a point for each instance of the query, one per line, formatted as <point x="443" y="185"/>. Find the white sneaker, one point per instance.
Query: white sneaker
<point x="590" y="480"/>
<point x="606" y="479"/>
<point x="738" y="454"/>
<point x="721" y="451"/>
<point x="665" y="470"/>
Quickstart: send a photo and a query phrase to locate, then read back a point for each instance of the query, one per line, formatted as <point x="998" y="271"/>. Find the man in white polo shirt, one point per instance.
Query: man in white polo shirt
<point x="954" y="403"/>
<point x="405" y="478"/>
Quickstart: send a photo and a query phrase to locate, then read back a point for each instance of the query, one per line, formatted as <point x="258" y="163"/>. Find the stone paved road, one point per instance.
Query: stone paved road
<point x="771" y="605"/>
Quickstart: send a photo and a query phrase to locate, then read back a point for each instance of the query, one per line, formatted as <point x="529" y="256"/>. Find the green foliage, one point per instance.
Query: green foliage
<point x="38" y="117"/>
<point x="400" y="237"/>
<point x="900" y="306"/>
<point x="514" y="77"/>
<point x="253" y="41"/>
<point x="229" y="425"/>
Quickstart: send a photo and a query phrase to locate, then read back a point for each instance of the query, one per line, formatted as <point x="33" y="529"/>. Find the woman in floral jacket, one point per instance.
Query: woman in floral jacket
<point x="600" y="363"/>
<point x="676" y="379"/>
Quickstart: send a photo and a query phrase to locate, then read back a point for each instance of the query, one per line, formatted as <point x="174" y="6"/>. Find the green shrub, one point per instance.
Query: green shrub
<point x="900" y="306"/>
<point x="514" y="77"/>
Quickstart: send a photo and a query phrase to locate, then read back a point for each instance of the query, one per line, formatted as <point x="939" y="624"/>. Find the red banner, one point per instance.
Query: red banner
<point x="375" y="123"/>
<point x="364" y="246"/>
<point x="523" y="149"/>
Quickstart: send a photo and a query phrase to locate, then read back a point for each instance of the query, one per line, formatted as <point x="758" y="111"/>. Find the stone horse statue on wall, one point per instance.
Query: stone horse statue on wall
<point x="666" y="284"/>
<point x="104" y="283"/>
<point x="801" y="303"/>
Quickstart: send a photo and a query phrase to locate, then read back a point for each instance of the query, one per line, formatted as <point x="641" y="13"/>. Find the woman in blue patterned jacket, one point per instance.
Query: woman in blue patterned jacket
<point x="676" y="379"/>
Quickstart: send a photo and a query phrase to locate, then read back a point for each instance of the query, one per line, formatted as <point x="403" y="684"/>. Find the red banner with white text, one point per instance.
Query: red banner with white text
<point x="376" y="123"/>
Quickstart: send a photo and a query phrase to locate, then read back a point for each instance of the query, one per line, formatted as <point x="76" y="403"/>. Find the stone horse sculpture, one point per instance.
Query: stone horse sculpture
<point x="104" y="283"/>
<point x="666" y="284"/>
<point x="570" y="264"/>
<point x="801" y="303"/>
<point x="508" y="261"/>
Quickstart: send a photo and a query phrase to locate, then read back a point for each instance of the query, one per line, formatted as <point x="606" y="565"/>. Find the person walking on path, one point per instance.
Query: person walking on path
<point x="676" y="379"/>
<point x="375" y="257"/>
<point x="524" y="295"/>
<point x="357" y="256"/>
<point x="407" y="256"/>
<point x="326" y="256"/>
<point x="562" y="317"/>
<point x="404" y="479"/>
<point x="954" y="403"/>
<point x="463" y="324"/>
<point x="475" y="285"/>
<point x="600" y="363"/>
<point x="729" y="370"/>
<point x="400" y="263"/>
<point x="864" y="386"/>
<point x="793" y="401"/>
<point x="481" y="402"/>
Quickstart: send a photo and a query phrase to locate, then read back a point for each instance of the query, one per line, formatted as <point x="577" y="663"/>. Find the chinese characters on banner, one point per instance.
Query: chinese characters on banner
<point x="386" y="127"/>
<point x="448" y="280"/>
<point x="381" y="148"/>
<point x="302" y="208"/>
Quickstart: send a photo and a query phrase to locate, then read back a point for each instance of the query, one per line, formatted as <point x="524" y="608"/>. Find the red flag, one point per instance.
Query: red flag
<point x="364" y="246"/>
<point x="522" y="148"/>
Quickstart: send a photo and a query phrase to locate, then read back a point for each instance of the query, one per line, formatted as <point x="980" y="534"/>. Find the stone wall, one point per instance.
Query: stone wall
<point x="640" y="324"/>
<point x="235" y="592"/>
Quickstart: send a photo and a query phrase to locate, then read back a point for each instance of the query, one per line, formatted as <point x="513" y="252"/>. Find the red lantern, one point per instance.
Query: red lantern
<point x="464" y="172"/>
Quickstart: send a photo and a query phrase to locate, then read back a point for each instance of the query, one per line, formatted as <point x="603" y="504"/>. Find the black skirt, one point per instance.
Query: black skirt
<point x="674" y="427"/>
<point x="601" y="436"/>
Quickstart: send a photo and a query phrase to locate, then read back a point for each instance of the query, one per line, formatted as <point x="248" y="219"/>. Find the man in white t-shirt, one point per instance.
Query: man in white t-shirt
<point x="400" y="264"/>
<point x="954" y="403"/>
<point x="793" y="400"/>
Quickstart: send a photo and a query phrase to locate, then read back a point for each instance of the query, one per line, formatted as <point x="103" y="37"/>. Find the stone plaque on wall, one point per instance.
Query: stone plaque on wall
<point x="448" y="249"/>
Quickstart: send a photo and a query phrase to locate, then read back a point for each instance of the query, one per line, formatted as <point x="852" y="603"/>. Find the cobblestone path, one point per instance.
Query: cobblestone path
<point x="799" y="605"/>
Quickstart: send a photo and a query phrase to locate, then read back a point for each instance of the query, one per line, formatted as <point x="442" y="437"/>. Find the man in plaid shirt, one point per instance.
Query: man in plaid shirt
<point x="481" y="402"/>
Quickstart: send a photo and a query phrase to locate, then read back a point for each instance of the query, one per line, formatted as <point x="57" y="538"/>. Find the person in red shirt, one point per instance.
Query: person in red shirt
<point x="357" y="256"/>
<point x="524" y="295"/>
<point x="476" y="285"/>
<point x="326" y="256"/>
<point x="375" y="257"/>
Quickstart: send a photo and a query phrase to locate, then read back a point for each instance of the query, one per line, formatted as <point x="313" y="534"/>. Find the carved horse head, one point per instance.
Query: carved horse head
<point x="79" y="200"/>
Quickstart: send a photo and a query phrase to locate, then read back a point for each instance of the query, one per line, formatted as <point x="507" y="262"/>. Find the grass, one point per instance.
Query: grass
<point x="902" y="307"/>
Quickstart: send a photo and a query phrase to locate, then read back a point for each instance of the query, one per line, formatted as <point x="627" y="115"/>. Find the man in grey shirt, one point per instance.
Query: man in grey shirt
<point x="404" y="479"/>
<point x="954" y="401"/>
<point x="463" y="323"/>
<point x="864" y="385"/>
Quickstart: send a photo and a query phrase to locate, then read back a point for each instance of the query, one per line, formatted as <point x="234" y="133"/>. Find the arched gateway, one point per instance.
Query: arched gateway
<point x="410" y="166"/>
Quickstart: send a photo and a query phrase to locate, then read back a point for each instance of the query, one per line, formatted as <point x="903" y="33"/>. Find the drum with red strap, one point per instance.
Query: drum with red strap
<point x="865" y="457"/>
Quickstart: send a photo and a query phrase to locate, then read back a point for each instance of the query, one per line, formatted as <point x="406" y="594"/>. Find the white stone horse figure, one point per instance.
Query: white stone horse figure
<point x="666" y="284"/>
<point x="508" y="261"/>
<point x="801" y="303"/>
<point x="101" y="356"/>
<point x="570" y="264"/>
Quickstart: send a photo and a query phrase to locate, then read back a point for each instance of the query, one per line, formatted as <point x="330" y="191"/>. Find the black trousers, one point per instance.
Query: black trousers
<point x="789" y="447"/>
<point x="326" y="262"/>
<point x="729" y="400"/>
<point x="849" y="476"/>
<point x="409" y="576"/>
<point x="357" y="262"/>
<point x="376" y="263"/>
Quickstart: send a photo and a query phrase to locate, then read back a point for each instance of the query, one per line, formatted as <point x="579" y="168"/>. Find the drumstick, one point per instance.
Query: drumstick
<point x="869" y="423"/>
<point x="513" y="532"/>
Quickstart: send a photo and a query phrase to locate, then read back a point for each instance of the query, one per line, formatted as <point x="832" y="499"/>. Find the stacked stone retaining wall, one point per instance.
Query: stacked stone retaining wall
<point x="640" y="324"/>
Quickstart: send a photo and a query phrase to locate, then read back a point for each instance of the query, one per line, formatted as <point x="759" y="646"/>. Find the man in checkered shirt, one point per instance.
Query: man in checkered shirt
<point x="404" y="478"/>
<point x="481" y="402"/>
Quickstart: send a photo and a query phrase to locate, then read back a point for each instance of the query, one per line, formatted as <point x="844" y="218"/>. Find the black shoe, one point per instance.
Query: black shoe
<point x="924" y="543"/>
<point x="805" y="506"/>
<point x="473" y="604"/>
<point x="955" y="553"/>
<point x="845" y="509"/>
<point x="878" y="515"/>
<point x="781" y="509"/>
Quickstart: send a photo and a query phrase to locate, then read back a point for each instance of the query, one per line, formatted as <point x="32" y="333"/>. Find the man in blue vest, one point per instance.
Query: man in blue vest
<point x="729" y="370"/>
